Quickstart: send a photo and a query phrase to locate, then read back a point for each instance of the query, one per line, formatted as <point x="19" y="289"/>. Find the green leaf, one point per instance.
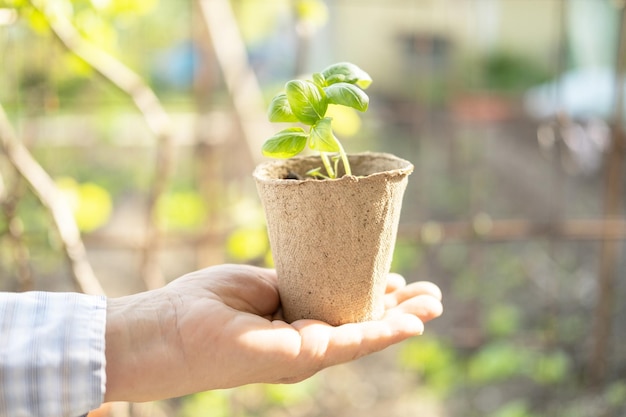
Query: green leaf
<point x="322" y="138"/>
<point x="319" y="80"/>
<point x="346" y="72"/>
<point x="308" y="101"/>
<point x="347" y="95"/>
<point x="279" y="110"/>
<point x="286" y="143"/>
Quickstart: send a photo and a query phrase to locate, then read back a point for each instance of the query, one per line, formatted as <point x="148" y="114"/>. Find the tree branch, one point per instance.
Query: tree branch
<point x="9" y="199"/>
<point x="154" y="114"/>
<point x="242" y="84"/>
<point x="48" y="194"/>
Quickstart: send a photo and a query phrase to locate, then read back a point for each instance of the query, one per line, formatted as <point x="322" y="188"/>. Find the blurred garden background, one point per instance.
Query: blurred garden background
<point x="130" y="129"/>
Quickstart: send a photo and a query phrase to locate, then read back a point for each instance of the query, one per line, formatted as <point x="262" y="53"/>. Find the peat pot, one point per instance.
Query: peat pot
<point x="332" y="240"/>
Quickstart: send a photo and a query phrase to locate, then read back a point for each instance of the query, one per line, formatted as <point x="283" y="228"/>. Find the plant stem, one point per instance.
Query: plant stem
<point x="327" y="165"/>
<point x="344" y="159"/>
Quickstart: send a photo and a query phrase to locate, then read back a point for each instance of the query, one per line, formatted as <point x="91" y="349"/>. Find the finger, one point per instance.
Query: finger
<point x="327" y="345"/>
<point x="278" y="314"/>
<point x="425" y="307"/>
<point x="412" y="290"/>
<point x="394" y="282"/>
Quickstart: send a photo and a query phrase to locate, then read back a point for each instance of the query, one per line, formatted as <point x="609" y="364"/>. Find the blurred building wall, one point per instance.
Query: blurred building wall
<point x="391" y="37"/>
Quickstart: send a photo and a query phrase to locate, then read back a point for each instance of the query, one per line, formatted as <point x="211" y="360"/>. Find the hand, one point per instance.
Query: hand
<point x="221" y="327"/>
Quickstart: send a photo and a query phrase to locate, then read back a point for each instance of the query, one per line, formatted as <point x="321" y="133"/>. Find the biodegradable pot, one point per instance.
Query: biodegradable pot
<point x="332" y="240"/>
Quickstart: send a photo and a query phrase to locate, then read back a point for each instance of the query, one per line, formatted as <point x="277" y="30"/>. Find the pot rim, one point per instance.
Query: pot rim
<point x="260" y="172"/>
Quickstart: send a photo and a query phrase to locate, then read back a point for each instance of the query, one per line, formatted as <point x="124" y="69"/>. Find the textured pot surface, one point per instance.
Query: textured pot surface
<point x="333" y="240"/>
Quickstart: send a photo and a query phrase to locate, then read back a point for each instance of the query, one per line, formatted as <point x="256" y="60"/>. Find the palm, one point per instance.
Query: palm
<point x="241" y="305"/>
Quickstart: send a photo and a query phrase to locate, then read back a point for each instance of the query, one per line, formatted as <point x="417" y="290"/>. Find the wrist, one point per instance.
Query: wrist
<point x="139" y="347"/>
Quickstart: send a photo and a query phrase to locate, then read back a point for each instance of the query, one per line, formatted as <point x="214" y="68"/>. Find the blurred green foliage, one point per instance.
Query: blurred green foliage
<point x="517" y="408"/>
<point x="92" y="204"/>
<point x="406" y="257"/>
<point x="289" y="395"/>
<point x="503" y="360"/>
<point x="615" y="393"/>
<point x="182" y="210"/>
<point x="258" y="20"/>
<point x="507" y="72"/>
<point x="250" y="401"/>
<point x="503" y="320"/>
<point x="248" y="244"/>
<point x="314" y="12"/>
<point x="248" y="240"/>
<point x="205" y="404"/>
<point x="504" y="72"/>
<point x="434" y="361"/>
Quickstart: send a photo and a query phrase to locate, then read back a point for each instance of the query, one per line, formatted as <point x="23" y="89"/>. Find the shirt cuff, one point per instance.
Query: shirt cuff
<point x="52" y="358"/>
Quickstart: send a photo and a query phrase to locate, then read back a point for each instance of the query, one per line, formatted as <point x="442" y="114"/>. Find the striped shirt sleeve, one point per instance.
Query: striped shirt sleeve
<point x="52" y="359"/>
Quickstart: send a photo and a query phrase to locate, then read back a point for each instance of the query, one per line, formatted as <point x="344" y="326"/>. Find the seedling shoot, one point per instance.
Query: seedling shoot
<point x="306" y="102"/>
